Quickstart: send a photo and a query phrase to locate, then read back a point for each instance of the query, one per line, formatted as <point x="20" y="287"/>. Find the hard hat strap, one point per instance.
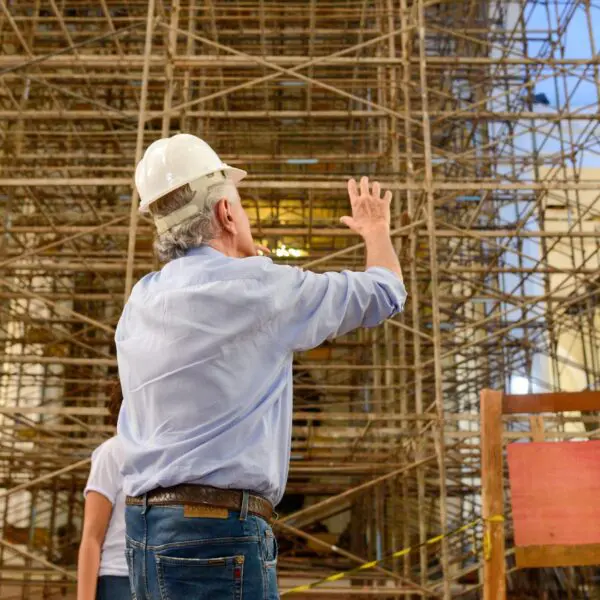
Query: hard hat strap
<point x="178" y="216"/>
<point x="200" y="187"/>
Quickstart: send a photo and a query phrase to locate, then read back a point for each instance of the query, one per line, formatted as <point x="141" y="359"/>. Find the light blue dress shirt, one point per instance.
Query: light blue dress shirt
<point x="204" y="348"/>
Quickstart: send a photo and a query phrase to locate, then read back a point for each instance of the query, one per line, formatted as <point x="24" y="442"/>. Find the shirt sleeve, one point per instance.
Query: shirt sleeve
<point x="105" y="475"/>
<point x="313" y="307"/>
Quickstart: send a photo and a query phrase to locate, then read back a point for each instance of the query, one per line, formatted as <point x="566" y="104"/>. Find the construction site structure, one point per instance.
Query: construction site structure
<point x="480" y="115"/>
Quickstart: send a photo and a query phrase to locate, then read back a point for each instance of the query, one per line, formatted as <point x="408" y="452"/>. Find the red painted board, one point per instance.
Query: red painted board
<point x="555" y="490"/>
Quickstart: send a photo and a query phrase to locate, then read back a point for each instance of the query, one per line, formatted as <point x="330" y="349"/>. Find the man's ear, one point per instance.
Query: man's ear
<point x="224" y="215"/>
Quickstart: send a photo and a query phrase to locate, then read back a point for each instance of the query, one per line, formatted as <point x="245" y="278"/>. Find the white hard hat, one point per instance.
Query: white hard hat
<point x="172" y="162"/>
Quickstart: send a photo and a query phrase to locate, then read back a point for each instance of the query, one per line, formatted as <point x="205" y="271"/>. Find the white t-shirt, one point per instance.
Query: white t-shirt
<point x="106" y="479"/>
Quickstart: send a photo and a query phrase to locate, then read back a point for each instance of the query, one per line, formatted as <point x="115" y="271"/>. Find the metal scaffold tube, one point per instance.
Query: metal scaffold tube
<point x="481" y="117"/>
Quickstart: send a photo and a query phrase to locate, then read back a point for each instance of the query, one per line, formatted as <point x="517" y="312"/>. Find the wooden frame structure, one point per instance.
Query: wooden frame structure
<point x="434" y="97"/>
<point x="494" y="405"/>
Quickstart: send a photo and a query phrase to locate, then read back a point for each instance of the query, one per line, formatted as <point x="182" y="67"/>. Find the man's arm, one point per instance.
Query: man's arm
<point x="371" y="220"/>
<point x="309" y="308"/>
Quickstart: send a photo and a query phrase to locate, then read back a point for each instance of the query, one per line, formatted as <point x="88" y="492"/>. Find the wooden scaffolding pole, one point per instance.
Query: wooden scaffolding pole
<point x="492" y="493"/>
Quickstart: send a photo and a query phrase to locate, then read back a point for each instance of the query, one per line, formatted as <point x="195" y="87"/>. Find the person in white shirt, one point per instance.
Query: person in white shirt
<point x="102" y="567"/>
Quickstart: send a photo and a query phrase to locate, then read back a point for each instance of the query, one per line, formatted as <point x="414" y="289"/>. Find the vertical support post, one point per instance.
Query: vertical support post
<point x="494" y="568"/>
<point x="133" y="216"/>
<point x="536" y="423"/>
<point x="26" y="589"/>
<point x="414" y="299"/>
<point x="169" y="69"/>
<point x="47" y="593"/>
<point x="186" y="122"/>
<point x="439" y="441"/>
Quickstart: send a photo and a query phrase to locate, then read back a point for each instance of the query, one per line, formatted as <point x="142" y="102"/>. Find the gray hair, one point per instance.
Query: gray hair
<point x="195" y="231"/>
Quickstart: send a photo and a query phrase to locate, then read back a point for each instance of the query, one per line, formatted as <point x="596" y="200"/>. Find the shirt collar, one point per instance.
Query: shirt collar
<point x="204" y="250"/>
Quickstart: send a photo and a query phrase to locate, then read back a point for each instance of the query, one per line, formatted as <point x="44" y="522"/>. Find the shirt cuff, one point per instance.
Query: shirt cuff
<point x="92" y="488"/>
<point x="395" y="285"/>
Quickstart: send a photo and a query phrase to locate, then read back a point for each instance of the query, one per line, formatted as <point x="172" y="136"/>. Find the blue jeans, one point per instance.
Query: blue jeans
<point x="172" y="556"/>
<point x="111" y="587"/>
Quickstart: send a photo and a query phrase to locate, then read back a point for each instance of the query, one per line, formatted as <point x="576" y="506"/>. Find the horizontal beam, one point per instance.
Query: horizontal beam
<point x="57" y="360"/>
<point x="229" y="158"/>
<point x="334" y="184"/>
<point x="550" y="402"/>
<point x="219" y="61"/>
<point x="147" y="265"/>
<point x="87" y="411"/>
<point x="114" y="296"/>
<point x="313" y="232"/>
<point x="559" y="555"/>
<point x="100" y="114"/>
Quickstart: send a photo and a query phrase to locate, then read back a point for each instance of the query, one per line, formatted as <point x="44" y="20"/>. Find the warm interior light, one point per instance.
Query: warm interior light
<point x="283" y="251"/>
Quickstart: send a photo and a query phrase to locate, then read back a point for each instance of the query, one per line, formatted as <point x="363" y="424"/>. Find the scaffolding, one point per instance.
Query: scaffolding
<point x="467" y="110"/>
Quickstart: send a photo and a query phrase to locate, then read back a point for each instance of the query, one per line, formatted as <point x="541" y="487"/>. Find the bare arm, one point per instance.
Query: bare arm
<point x="96" y="519"/>
<point x="371" y="220"/>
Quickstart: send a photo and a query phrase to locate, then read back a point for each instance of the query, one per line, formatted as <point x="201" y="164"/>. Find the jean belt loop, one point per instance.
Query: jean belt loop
<point x="145" y="507"/>
<point x="244" y="509"/>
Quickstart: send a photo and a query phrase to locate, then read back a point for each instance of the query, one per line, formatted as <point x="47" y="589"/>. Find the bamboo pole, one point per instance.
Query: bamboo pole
<point x="133" y="215"/>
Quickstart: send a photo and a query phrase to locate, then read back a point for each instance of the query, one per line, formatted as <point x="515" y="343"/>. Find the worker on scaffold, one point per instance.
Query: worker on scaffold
<point x="204" y="348"/>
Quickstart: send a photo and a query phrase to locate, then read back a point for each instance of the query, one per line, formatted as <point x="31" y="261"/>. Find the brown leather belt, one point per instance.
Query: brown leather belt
<point x="204" y="495"/>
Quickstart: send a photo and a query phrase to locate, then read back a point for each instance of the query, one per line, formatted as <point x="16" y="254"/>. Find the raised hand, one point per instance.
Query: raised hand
<point x="370" y="211"/>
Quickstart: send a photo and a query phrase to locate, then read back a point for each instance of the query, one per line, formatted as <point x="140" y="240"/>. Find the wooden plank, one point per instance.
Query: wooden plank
<point x="551" y="402"/>
<point x="559" y="555"/>
<point x="494" y="569"/>
<point x="555" y="492"/>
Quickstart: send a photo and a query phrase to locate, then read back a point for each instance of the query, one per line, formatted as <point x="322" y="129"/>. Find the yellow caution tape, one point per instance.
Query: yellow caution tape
<point x="494" y="519"/>
<point x="374" y="563"/>
<point x="487" y="535"/>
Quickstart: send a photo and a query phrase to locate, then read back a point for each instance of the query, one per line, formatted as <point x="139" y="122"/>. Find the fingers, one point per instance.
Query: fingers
<point x="261" y="250"/>
<point x="364" y="186"/>
<point x="364" y="192"/>
<point x="376" y="193"/>
<point x="352" y="191"/>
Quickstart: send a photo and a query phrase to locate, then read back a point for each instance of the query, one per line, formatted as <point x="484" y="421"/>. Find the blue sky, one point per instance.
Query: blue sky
<point x="583" y="97"/>
<point x="577" y="45"/>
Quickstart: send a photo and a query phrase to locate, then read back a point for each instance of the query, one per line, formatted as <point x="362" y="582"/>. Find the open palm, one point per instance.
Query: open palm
<point x="370" y="211"/>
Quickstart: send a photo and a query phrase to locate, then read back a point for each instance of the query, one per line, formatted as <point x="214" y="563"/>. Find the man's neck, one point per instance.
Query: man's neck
<point x="224" y="247"/>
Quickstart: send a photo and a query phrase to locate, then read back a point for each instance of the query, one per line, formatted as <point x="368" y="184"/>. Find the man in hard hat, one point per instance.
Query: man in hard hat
<point x="204" y="348"/>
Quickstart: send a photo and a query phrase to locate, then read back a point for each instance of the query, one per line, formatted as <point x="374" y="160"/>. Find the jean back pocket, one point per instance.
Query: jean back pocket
<point x="200" y="578"/>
